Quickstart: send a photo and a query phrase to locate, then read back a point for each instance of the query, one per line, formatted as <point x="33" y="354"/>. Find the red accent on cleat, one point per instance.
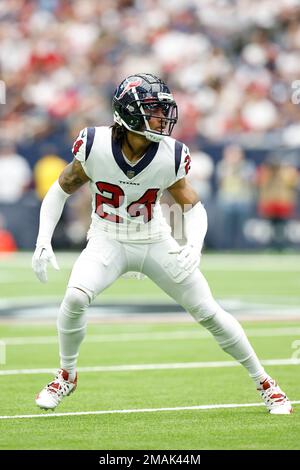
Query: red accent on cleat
<point x="275" y="399"/>
<point x="55" y="391"/>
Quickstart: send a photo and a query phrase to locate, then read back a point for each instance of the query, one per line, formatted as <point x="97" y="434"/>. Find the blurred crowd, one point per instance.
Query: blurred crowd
<point x="233" y="65"/>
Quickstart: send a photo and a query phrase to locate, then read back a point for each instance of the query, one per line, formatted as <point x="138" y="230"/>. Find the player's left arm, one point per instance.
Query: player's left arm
<point x="184" y="194"/>
<point x="195" y="223"/>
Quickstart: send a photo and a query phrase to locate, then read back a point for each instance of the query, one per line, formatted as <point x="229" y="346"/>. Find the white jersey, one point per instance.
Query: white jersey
<point x="125" y="197"/>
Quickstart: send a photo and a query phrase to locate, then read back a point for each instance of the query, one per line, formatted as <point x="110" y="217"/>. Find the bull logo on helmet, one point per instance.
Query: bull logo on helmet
<point x="130" y="85"/>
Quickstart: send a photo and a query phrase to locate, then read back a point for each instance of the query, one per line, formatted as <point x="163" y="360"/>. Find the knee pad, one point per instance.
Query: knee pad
<point x="75" y="301"/>
<point x="230" y="335"/>
<point x="204" y="310"/>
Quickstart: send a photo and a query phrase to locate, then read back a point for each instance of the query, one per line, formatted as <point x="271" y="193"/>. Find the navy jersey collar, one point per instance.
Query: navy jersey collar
<point x="128" y="170"/>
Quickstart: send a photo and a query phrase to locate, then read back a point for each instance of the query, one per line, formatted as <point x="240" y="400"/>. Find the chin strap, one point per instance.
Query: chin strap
<point x="150" y="135"/>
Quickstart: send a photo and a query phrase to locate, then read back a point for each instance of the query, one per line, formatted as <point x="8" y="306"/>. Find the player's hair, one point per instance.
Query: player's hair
<point x="118" y="132"/>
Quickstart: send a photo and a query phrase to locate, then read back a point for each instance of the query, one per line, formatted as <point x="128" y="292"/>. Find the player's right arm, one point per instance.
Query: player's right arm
<point x="71" y="179"/>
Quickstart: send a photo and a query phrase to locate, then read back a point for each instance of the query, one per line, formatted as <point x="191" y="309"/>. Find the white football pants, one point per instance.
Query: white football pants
<point x="104" y="260"/>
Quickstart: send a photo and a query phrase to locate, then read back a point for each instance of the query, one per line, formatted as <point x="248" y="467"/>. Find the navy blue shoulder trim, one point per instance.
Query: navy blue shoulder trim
<point x="89" y="141"/>
<point x="178" y="151"/>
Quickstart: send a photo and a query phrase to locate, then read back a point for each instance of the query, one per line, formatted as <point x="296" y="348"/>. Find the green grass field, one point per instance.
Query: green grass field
<point x="146" y="374"/>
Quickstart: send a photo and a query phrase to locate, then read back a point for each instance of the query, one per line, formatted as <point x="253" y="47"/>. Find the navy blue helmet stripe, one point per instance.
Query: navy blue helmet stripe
<point x="178" y="151"/>
<point x="89" y="141"/>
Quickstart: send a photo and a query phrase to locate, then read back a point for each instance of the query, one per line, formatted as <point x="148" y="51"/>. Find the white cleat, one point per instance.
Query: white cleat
<point x="55" y="391"/>
<point x="275" y="399"/>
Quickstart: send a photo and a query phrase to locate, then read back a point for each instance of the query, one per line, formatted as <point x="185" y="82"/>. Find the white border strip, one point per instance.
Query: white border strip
<point x="141" y="367"/>
<point x="141" y="410"/>
<point x="159" y="336"/>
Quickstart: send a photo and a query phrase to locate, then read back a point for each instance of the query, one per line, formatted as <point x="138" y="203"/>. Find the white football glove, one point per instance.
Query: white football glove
<point x="41" y="257"/>
<point x="188" y="257"/>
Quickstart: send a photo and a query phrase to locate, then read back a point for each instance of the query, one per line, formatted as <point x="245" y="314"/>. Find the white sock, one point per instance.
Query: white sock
<point x="71" y="325"/>
<point x="261" y="378"/>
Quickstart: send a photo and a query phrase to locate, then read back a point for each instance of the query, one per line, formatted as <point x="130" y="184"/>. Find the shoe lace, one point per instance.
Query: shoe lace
<point x="58" y="386"/>
<point x="271" y="392"/>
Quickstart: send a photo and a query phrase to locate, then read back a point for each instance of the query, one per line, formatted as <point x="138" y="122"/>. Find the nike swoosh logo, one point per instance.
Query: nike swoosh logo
<point x="83" y="133"/>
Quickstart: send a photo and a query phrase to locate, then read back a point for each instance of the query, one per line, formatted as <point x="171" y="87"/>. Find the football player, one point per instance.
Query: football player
<point x="127" y="167"/>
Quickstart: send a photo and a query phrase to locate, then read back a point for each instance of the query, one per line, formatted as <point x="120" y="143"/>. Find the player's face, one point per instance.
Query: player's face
<point x="157" y="122"/>
<point x="156" y="116"/>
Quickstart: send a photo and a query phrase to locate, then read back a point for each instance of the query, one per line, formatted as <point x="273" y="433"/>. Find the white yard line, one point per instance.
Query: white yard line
<point x="107" y="299"/>
<point x="140" y="410"/>
<point x="211" y="261"/>
<point x="109" y="338"/>
<point x="141" y="367"/>
<point x="42" y="300"/>
<point x="131" y="337"/>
